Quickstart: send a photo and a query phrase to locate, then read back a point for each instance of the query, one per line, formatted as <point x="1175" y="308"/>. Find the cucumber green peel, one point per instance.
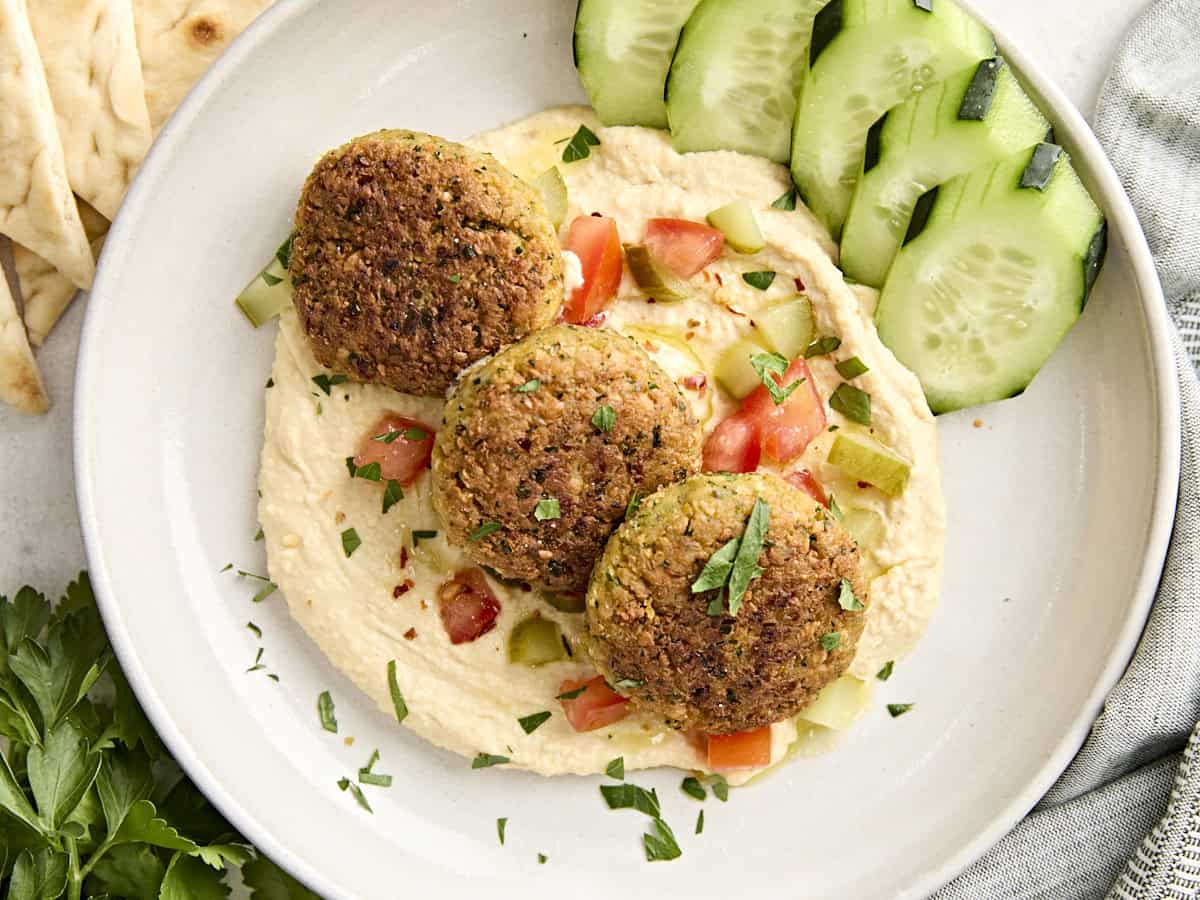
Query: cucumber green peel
<point x="270" y="293"/>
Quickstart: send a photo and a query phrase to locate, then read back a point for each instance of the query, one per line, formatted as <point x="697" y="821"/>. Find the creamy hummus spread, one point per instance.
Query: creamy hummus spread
<point x="379" y="604"/>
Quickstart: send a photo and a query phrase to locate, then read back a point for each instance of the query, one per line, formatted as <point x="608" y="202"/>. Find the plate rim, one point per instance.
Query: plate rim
<point x="1069" y="123"/>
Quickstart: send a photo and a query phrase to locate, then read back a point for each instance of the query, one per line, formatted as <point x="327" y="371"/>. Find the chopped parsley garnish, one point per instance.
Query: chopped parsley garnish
<point x="635" y="502"/>
<point x="693" y="788"/>
<point x="822" y="347"/>
<point x="767" y="366"/>
<point x="846" y="598"/>
<point x="258" y="666"/>
<point x="787" y="203"/>
<point x="831" y="641"/>
<point x="284" y="253"/>
<point x="628" y="684"/>
<point x="571" y="695"/>
<point x="487" y="760"/>
<point x="350" y="542"/>
<point x="398" y="703"/>
<point x="547" y="509"/>
<point x="886" y="672"/>
<point x="258" y="535"/>
<point x="604" y="418"/>
<point x="270" y="279"/>
<point x="270" y="383"/>
<point x="351" y="467"/>
<point x="325" y="711"/>
<point x="542" y="857"/>
<point x="389" y="438"/>
<point x="328" y="382"/>
<point x="580" y="146"/>
<point x="376" y="779"/>
<point x="530" y="724"/>
<point x="660" y="843"/>
<point x="254" y="629"/>
<point x="852" y="403"/>
<point x="700" y="823"/>
<point x="720" y="787"/>
<point x="630" y="796"/>
<point x="895" y="710"/>
<point x="760" y="281"/>
<point x="529" y="387"/>
<point x="483" y="531"/>
<point x="264" y="592"/>
<point x="455" y="278"/>
<point x="501" y="824"/>
<point x="416" y="434"/>
<point x="836" y="510"/>
<point x="225" y="568"/>
<point x="422" y="535"/>
<point x="616" y="768"/>
<point x="852" y="368"/>
<point x="346" y="784"/>
<point x="369" y="472"/>
<point x="392" y="494"/>
<point x="735" y="565"/>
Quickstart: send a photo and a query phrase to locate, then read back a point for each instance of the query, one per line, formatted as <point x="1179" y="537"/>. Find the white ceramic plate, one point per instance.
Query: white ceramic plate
<point x="1060" y="509"/>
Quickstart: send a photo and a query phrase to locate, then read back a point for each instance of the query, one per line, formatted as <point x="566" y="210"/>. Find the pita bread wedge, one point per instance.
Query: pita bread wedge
<point x="179" y="39"/>
<point x="45" y="292"/>
<point x="37" y="207"/>
<point x="20" y="381"/>
<point x="89" y="52"/>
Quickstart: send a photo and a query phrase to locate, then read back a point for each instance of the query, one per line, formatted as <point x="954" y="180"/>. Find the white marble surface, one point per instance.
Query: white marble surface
<point x="40" y="543"/>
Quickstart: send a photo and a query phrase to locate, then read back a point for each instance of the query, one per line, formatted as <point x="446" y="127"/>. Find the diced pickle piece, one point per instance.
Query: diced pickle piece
<point x="268" y="295"/>
<point x="734" y="372"/>
<point x="736" y="221"/>
<point x="839" y="704"/>
<point x="865" y="526"/>
<point x="535" y="642"/>
<point x="566" y="601"/>
<point x="865" y="459"/>
<point x="654" y="277"/>
<point x="554" y="192"/>
<point x="787" y="327"/>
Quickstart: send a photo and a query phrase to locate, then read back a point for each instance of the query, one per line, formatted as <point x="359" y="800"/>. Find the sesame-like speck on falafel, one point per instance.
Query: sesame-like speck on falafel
<point x="543" y="447"/>
<point x="719" y="674"/>
<point x="415" y="257"/>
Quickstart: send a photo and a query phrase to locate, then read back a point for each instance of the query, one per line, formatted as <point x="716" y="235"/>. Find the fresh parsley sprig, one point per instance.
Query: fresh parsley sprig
<point x="730" y="570"/>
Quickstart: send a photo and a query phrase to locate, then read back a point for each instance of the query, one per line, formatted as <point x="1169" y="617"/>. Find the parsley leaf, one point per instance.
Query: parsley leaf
<point x="501" y="824"/>
<point x="328" y="382"/>
<point x="483" y="531"/>
<point x="720" y="787"/>
<point x="660" y="844"/>
<point x="760" y="281"/>
<point x="326" y="713"/>
<point x="356" y="792"/>
<point x="392" y="494"/>
<point x="693" y="788"/>
<point x="604" y="418"/>
<point x="350" y="542"/>
<point x="416" y="434"/>
<point x="846" y="598"/>
<point x="767" y="366"/>
<point x="616" y="768"/>
<point x="398" y="703"/>
<point x="571" y="695"/>
<point x="369" y="472"/>
<point x="787" y="202"/>
<point x="700" y="823"/>
<point x="852" y="403"/>
<point x="831" y="641"/>
<point x="547" y="509"/>
<point x="580" y="146"/>
<point x="388" y="438"/>
<point x="822" y="347"/>
<point x="528" y="387"/>
<point x="716" y="571"/>
<point x="486" y="760"/>
<point x="531" y="723"/>
<point x="630" y="796"/>
<point x="367" y="775"/>
<point x="895" y="710"/>
<point x="886" y="672"/>
<point x="852" y="368"/>
<point x="635" y="502"/>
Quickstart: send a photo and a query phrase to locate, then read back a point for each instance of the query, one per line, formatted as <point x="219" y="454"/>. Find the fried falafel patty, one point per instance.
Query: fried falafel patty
<point x="415" y="257"/>
<point x="542" y="448"/>
<point x="649" y="633"/>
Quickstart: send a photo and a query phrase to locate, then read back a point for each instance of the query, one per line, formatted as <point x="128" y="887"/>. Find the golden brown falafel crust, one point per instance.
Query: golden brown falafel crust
<point x="519" y="430"/>
<point x="724" y="674"/>
<point x="414" y="257"/>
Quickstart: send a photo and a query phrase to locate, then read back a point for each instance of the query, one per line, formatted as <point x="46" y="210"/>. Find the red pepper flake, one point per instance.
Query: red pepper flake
<point x="694" y="323"/>
<point x="402" y="589"/>
<point x="689" y="335"/>
<point x="799" y="284"/>
<point x="403" y="557"/>
<point x="410" y="634"/>
<point x="340" y="518"/>
<point x="720" y="280"/>
<point x="978" y="423"/>
<point x="864" y="484"/>
<point x="697" y="382"/>
<point x="650" y="346"/>
<point x="736" y="312"/>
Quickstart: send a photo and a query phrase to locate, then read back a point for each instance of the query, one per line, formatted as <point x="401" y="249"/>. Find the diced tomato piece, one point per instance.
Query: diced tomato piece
<point x="683" y="247"/>
<point x="734" y="446"/>
<point x="400" y="459"/>
<point x="597" y="706"/>
<point x="467" y="606"/>
<point x="744" y="750"/>
<point x="803" y="479"/>
<point x="595" y="240"/>
<point x="786" y="430"/>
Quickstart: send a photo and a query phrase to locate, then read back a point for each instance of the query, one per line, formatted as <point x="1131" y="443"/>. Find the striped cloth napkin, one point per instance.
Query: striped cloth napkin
<point x="1124" y="820"/>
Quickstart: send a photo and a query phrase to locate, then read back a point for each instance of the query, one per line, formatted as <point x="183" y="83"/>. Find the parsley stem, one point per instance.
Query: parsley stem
<point x="74" y="877"/>
<point x="95" y="858"/>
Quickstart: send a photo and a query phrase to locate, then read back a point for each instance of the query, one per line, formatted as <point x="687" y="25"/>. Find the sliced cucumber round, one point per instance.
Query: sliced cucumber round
<point x="975" y="117"/>
<point x="867" y="56"/>
<point x="733" y="82"/>
<point x="992" y="280"/>
<point x="623" y="50"/>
